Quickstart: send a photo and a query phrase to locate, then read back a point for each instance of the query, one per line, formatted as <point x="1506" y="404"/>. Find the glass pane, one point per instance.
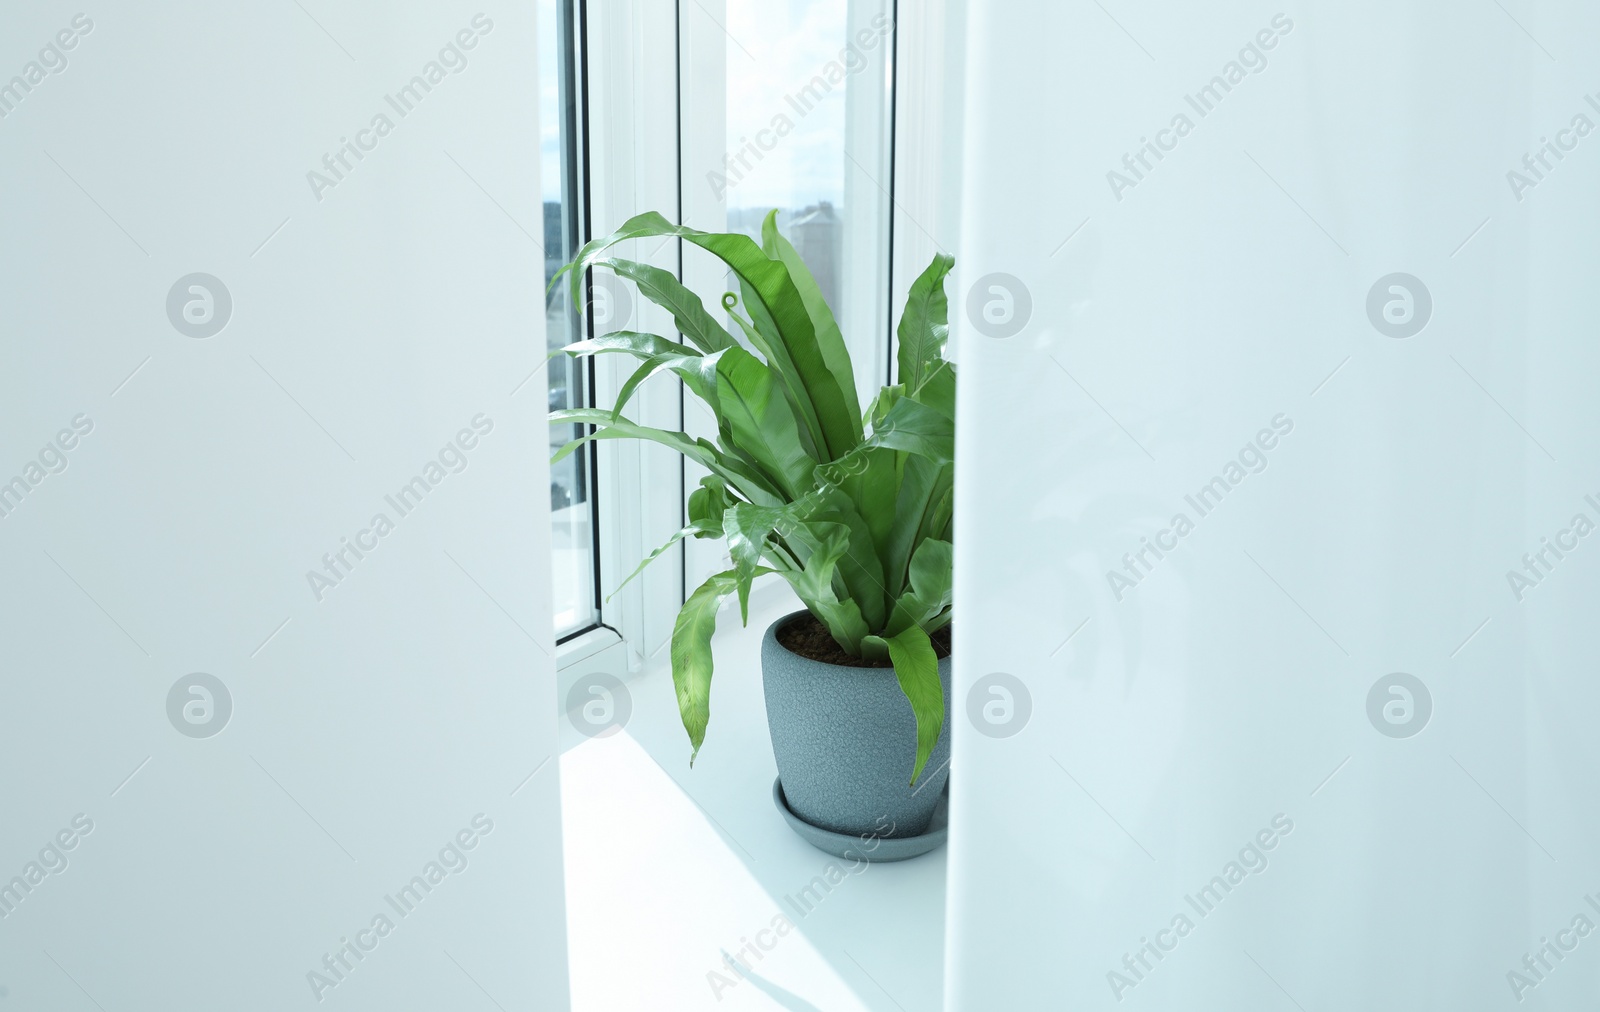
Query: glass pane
<point x="807" y="91"/>
<point x="571" y="481"/>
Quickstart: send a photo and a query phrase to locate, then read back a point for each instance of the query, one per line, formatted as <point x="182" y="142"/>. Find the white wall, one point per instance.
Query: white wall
<point x="1230" y="687"/>
<point x="369" y="323"/>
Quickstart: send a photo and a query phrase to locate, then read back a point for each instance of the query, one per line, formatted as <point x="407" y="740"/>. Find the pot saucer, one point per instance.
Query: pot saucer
<point x="875" y="850"/>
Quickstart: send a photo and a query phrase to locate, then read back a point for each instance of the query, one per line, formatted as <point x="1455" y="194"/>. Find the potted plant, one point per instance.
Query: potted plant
<point x="852" y="508"/>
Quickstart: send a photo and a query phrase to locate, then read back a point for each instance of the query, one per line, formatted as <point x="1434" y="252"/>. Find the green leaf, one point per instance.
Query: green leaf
<point x="872" y="490"/>
<point x="747" y="529"/>
<point x="619" y="428"/>
<point x="821" y="545"/>
<point x="814" y="388"/>
<point x="859" y="567"/>
<point x="633" y="228"/>
<point x="831" y="342"/>
<point x="916" y="428"/>
<point x="698" y="372"/>
<point x="930" y="593"/>
<point x="932" y="569"/>
<point x="916" y="667"/>
<point x="691" y="656"/>
<point x="666" y="291"/>
<point x="826" y="399"/>
<point x="925" y="325"/>
<point x="938" y="390"/>
<point x="707" y="504"/>
<point x="699" y="530"/>
<point x="759" y="423"/>
<point x="919" y="478"/>
<point x="753" y="485"/>
<point x="635" y="344"/>
<point x="936" y="523"/>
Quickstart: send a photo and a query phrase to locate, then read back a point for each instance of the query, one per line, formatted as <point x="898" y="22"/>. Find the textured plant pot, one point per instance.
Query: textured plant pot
<point x="845" y="741"/>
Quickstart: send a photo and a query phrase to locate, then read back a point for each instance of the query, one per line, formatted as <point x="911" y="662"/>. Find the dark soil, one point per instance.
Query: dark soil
<point x="810" y="638"/>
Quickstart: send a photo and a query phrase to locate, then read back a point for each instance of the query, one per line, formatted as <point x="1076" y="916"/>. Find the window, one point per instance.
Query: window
<point x="767" y="106"/>
<point x="571" y="382"/>
<point x="807" y="98"/>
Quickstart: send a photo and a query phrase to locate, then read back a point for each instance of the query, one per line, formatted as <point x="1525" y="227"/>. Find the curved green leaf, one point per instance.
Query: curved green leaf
<point x="859" y="567"/>
<point x="691" y="655"/>
<point x="916" y="493"/>
<point x="938" y="389"/>
<point x="831" y="342"/>
<point x="916" y="428"/>
<point x="925" y="324"/>
<point x="699" y="530"/>
<point x="698" y="372"/>
<point x="752" y="484"/>
<point x="821" y="545"/>
<point x="930" y="593"/>
<point x="707" y="504"/>
<point x="635" y="344"/>
<point x="622" y="428"/>
<point x="666" y="291"/>
<point x="759" y="423"/>
<point x="872" y="490"/>
<point x="916" y="667"/>
<point x="814" y="388"/>
<point x="747" y="529"/>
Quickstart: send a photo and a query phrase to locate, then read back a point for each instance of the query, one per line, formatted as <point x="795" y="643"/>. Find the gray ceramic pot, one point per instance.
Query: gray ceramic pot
<point x="845" y="741"/>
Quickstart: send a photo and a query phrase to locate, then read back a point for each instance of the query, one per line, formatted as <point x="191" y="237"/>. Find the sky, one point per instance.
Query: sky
<point x="774" y="50"/>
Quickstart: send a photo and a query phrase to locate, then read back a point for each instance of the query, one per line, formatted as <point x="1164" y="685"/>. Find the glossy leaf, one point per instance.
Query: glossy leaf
<point x="925" y="324"/>
<point x="916" y="667"/>
<point x="930" y="582"/>
<point x="707" y="504"/>
<point x="666" y="291"/>
<point x="636" y="344"/>
<point x="752" y="484"/>
<point x="698" y="372"/>
<point x="691" y="655"/>
<point x="822" y="544"/>
<point x="776" y="307"/>
<point x="829" y="340"/>
<point x="748" y="529"/>
<point x="916" y="428"/>
<point x="914" y="497"/>
<point x="759" y="420"/>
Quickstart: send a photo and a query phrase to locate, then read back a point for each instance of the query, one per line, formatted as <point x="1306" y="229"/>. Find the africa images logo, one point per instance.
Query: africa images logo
<point x="1251" y="459"/>
<point x="1252" y="59"/>
<point x="453" y="458"/>
<point x="452" y="59"/>
<point x="1251" y="860"/>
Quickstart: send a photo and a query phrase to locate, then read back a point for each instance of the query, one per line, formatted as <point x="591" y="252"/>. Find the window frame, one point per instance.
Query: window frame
<point x="571" y="61"/>
<point x="628" y="114"/>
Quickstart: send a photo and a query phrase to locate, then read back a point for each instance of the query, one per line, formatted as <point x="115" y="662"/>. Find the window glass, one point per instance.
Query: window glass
<point x="572" y="496"/>
<point x="807" y="132"/>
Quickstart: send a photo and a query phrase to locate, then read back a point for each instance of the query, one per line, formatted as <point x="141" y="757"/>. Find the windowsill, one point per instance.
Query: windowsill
<point x="668" y="868"/>
<point x="585" y="645"/>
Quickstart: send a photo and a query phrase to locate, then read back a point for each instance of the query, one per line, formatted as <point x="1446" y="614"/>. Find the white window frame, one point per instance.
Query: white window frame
<point x="930" y="66"/>
<point x="629" y="115"/>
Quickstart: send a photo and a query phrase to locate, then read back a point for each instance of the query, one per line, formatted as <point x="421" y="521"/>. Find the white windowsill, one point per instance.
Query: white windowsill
<point x="668" y="868"/>
<point x="585" y="645"/>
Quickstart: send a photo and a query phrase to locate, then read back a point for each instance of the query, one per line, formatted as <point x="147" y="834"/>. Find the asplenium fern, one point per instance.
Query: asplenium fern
<point x="853" y="509"/>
